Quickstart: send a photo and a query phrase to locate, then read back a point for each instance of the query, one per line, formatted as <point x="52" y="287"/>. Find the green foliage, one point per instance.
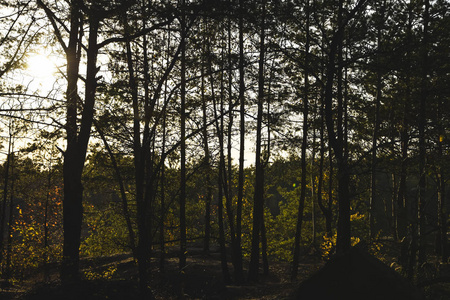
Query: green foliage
<point x="28" y="250"/>
<point x="106" y="274"/>
<point x="281" y="228"/>
<point x="385" y="56"/>
<point x="106" y="232"/>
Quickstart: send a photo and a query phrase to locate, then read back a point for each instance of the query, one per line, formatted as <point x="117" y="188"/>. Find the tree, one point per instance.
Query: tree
<point x="78" y="132"/>
<point x="183" y="139"/>
<point x="422" y="127"/>
<point x="296" y="252"/>
<point x="336" y="136"/>
<point x="258" y="200"/>
<point x="241" y="175"/>
<point x="378" y="98"/>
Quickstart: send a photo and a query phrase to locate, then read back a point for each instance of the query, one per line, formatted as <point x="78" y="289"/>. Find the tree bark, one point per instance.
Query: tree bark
<point x="239" y="272"/>
<point x="219" y="131"/>
<point x="301" y="205"/>
<point x="258" y="200"/>
<point x="77" y="143"/>
<point x="422" y="138"/>
<point x="206" y="162"/>
<point x="336" y="140"/>
<point x="378" y="97"/>
<point x="9" y="240"/>
<point x="5" y="196"/>
<point x="182" y="262"/>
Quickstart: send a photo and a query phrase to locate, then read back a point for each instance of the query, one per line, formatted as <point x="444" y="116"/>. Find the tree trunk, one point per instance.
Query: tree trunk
<point x="123" y="196"/>
<point x="219" y="131"/>
<point x="422" y="138"/>
<point x="258" y="201"/>
<point x="265" y="258"/>
<point x="320" y="186"/>
<point x="301" y="205"/>
<point x="207" y="166"/>
<point x="378" y="97"/>
<point x="45" y="224"/>
<point x="223" y="252"/>
<point x="336" y="139"/>
<point x="72" y="201"/>
<point x="208" y="196"/>
<point x="410" y="220"/>
<point x="141" y="157"/>
<point x="239" y="272"/>
<point x="162" y="179"/>
<point x="313" y="188"/>
<point x="8" y="270"/>
<point x="77" y="143"/>
<point x="442" y="248"/>
<point x="162" y="210"/>
<point x="442" y="243"/>
<point x="236" y="248"/>
<point x="182" y="262"/>
<point x="5" y="197"/>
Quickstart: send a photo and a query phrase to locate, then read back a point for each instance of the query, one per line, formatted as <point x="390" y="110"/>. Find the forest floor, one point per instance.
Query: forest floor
<point x="115" y="277"/>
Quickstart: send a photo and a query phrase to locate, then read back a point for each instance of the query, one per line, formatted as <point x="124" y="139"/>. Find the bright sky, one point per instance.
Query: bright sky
<point x="42" y="69"/>
<point x="39" y="76"/>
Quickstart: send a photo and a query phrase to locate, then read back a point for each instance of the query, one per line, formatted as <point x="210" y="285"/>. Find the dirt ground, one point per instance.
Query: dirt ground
<point x="115" y="277"/>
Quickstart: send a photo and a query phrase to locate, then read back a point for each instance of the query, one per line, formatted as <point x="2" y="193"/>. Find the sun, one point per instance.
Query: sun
<point x="41" y="67"/>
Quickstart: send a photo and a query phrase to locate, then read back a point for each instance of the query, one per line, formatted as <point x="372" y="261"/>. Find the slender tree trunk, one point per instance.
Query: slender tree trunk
<point x="219" y="131"/>
<point x="313" y="189"/>
<point x="422" y="138"/>
<point x="162" y="216"/>
<point x="208" y="196"/>
<point x="320" y="186"/>
<point x="126" y="212"/>
<point x="330" y="192"/>
<point x="401" y="196"/>
<point x="221" y="134"/>
<point x="378" y="97"/>
<point x="222" y="188"/>
<point x="326" y="210"/>
<point x="442" y="247"/>
<point x="5" y="197"/>
<point x="301" y="205"/>
<point x="442" y="243"/>
<point x="336" y="139"/>
<point x="258" y="204"/>
<point x="394" y="176"/>
<point x="394" y="207"/>
<point x="223" y="252"/>
<point x="8" y="271"/>
<point x="239" y="272"/>
<point x="410" y="220"/>
<point x="141" y="157"/>
<point x="45" y="223"/>
<point x="236" y="248"/>
<point x="162" y="210"/>
<point x="207" y="167"/>
<point x="265" y="258"/>
<point x="182" y="262"/>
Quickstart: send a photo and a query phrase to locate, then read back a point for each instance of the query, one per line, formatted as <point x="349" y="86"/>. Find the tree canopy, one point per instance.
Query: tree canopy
<point x="269" y="129"/>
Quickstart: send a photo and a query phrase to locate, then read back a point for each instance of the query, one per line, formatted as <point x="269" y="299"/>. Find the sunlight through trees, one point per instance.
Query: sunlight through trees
<point x="265" y="132"/>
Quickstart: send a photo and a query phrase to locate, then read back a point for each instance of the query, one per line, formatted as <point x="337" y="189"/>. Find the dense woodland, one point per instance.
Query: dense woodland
<point x="266" y="131"/>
